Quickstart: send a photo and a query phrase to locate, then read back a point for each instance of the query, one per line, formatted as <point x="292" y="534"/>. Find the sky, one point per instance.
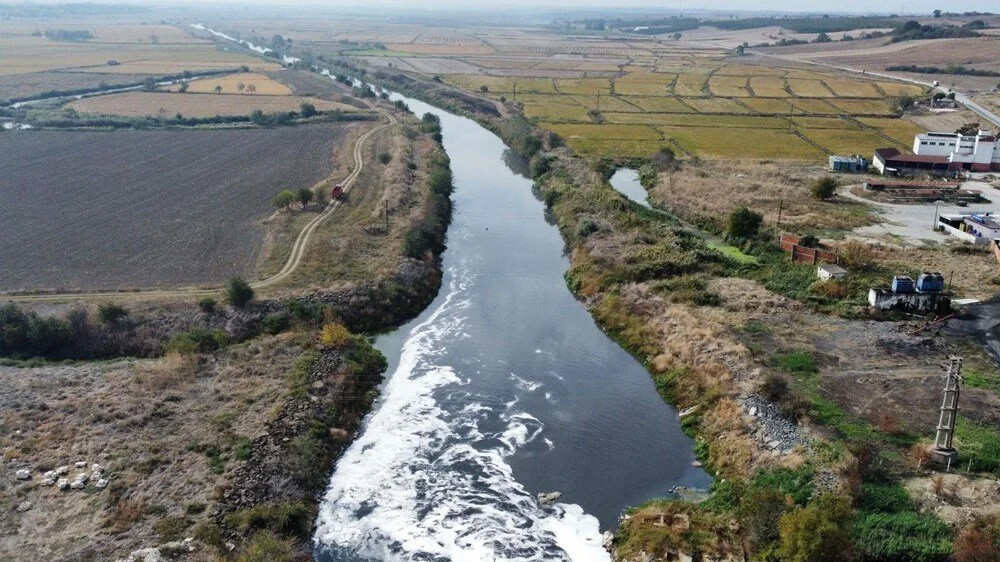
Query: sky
<point x="859" y="6"/>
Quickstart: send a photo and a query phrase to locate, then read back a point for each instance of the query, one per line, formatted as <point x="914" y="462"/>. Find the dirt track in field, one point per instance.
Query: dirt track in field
<point x="153" y="209"/>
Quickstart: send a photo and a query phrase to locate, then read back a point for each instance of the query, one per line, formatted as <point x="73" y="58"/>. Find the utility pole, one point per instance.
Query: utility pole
<point x="598" y="101"/>
<point x="386" y="216"/>
<point x="944" y="450"/>
<point x="515" y="91"/>
<point x="781" y="204"/>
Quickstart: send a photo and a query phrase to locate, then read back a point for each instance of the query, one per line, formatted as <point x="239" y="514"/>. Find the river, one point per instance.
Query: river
<point x="503" y="388"/>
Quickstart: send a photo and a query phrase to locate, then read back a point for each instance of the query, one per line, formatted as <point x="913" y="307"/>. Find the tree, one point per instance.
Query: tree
<point x="283" y="199"/>
<point x="307" y="109"/>
<point x="149" y="84"/>
<point x="218" y="89"/>
<point x="154" y="39"/>
<point x="251" y="89"/>
<point x="241" y="86"/>
<point x="183" y="87"/>
<point x="819" y="532"/>
<point x="937" y="13"/>
<point x="384" y="157"/>
<point x="743" y="224"/>
<point x="239" y="292"/>
<point x="305" y="195"/>
<point x="968" y="129"/>
<point x="484" y="89"/>
<point x="822" y="38"/>
<point x="759" y="512"/>
<point x="824" y="188"/>
<point x="677" y="36"/>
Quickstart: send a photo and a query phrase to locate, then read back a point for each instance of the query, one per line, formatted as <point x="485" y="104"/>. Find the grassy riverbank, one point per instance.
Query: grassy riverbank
<point x="754" y="361"/>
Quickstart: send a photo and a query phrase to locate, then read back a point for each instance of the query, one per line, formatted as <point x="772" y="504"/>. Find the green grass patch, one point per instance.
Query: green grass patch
<point x="796" y="362"/>
<point x="978" y="443"/>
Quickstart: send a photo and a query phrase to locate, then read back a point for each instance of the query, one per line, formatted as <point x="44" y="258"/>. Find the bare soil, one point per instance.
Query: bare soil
<point x="89" y="210"/>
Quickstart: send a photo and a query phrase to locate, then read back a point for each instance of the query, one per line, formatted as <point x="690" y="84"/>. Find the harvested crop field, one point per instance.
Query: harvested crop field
<point x="139" y="104"/>
<point x="35" y="83"/>
<point x="259" y="84"/>
<point x="89" y="210"/>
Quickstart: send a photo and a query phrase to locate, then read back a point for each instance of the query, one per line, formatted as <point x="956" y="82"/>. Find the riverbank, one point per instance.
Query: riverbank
<point x="761" y="382"/>
<point x="229" y="435"/>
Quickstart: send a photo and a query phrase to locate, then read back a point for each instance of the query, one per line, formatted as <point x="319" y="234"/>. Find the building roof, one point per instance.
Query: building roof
<point x="833" y="269"/>
<point x="896" y="156"/>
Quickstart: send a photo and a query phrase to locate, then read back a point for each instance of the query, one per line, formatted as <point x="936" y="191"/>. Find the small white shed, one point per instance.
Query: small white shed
<point x="829" y="271"/>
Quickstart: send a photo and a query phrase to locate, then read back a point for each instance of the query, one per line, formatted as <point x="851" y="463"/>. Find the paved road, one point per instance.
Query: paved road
<point x="959" y="97"/>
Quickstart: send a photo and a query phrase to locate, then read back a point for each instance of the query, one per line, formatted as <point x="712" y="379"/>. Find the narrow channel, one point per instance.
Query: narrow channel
<point x="502" y="389"/>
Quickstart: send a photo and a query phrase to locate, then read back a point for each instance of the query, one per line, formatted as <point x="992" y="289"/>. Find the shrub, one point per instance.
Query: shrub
<point x="197" y="340"/>
<point x="796" y="483"/>
<point x="540" y="165"/>
<point x="759" y="512"/>
<point x="335" y="334"/>
<point x="207" y="304"/>
<point x="239" y="292"/>
<point x="266" y="547"/>
<point x="275" y="323"/>
<point x="775" y="388"/>
<point x="978" y="541"/>
<point x="292" y="519"/>
<point x="819" y="532"/>
<point x="858" y="255"/>
<point x="25" y="334"/>
<point x="586" y="227"/>
<point x="110" y="313"/>
<point x="809" y="241"/>
<point x="743" y="224"/>
<point x="171" y="528"/>
<point x="307" y="109"/>
<point x="384" y="157"/>
<point x="824" y="188"/>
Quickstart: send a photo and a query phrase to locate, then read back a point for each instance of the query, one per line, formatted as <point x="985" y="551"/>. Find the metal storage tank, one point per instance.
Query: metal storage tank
<point x="929" y="282"/>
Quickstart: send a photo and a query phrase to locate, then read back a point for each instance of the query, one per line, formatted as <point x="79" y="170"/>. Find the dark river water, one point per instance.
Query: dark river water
<point x="503" y="388"/>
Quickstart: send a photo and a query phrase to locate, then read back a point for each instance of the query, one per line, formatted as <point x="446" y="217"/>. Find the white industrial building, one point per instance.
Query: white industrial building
<point x="977" y="153"/>
<point x="974" y="227"/>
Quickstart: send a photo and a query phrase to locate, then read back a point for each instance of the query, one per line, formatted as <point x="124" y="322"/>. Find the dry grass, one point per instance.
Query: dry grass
<point x="713" y="188"/>
<point x="163" y="446"/>
<point x="166" y="104"/>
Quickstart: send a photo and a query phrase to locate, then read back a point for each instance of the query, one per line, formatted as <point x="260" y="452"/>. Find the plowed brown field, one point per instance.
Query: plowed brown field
<point x="87" y="210"/>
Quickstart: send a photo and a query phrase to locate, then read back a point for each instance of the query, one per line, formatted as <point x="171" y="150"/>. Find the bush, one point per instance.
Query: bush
<point x="291" y="519"/>
<point x="110" y="313"/>
<point x="743" y="224"/>
<point x="307" y="109"/>
<point x="266" y="547"/>
<point x="275" y="323"/>
<point x="978" y="541"/>
<point x="197" y="340"/>
<point x="239" y="292"/>
<point x="759" y="512"/>
<point x="775" y="388"/>
<point x="540" y="165"/>
<point x="25" y="334"/>
<point x="586" y="227"/>
<point x="207" y="304"/>
<point x="384" y="157"/>
<point x="335" y="334"/>
<point x="858" y="255"/>
<point x="809" y="241"/>
<point x="819" y="532"/>
<point x="171" y="528"/>
<point x="824" y="188"/>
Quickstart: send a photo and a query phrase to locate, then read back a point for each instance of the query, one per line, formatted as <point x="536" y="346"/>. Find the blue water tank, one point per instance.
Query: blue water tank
<point x="930" y="282"/>
<point x="902" y="284"/>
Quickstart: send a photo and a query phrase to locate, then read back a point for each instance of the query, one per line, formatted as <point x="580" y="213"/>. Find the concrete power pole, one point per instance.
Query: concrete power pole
<point x="944" y="450"/>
